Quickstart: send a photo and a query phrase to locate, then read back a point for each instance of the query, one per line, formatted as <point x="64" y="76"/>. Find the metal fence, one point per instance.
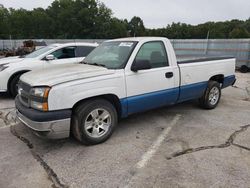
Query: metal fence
<point x="239" y="48"/>
<point x="185" y="48"/>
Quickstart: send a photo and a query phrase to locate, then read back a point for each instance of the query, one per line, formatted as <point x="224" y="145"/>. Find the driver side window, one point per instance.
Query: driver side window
<point x="63" y="53"/>
<point x="155" y="53"/>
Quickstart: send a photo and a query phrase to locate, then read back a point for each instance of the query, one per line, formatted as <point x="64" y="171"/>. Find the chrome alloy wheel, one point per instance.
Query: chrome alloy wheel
<point x="97" y="123"/>
<point x="214" y="95"/>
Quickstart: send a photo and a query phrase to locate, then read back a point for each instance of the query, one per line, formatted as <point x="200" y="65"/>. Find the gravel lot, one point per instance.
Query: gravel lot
<point x="178" y="146"/>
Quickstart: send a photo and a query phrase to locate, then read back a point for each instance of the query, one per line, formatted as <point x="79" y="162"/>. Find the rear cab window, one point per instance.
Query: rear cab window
<point x="83" y="51"/>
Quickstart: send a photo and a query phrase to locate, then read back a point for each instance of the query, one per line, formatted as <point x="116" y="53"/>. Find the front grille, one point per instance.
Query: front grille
<point x="24" y="93"/>
<point x="25" y="100"/>
<point x="24" y="86"/>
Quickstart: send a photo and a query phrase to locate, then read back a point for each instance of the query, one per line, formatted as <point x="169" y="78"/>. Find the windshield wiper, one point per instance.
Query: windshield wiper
<point x="95" y="64"/>
<point x="84" y="62"/>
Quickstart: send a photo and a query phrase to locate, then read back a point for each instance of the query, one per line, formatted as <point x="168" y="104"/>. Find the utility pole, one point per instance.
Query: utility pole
<point x="11" y="42"/>
<point x="208" y="33"/>
<point x="206" y="50"/>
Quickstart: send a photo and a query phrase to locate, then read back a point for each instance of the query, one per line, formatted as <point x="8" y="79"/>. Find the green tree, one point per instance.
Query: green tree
<point x="41" y="24"/>
<point x="85" y="19"/>
<point x="136" y="26"/>
<point x="118" y="29"/>
<point x="20" y="23"/>
<point x="239" y="33"/>
<point x="102" y="22"/>
<point x="72" y="19"/>
<point x="247" y="25"/>
<point x="4" y="23"/>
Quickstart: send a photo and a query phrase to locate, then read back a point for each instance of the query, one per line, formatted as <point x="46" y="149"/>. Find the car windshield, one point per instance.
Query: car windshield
<point x="112" y="55"/>
<point x="39" y="52"/>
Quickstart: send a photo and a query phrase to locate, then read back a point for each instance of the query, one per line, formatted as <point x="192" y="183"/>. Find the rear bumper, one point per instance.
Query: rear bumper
<point x="52" y="125"/>
<point x="234" y="81"/>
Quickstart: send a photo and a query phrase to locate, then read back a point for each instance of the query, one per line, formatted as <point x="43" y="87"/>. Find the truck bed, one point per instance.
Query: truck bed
<point x="195" y="73"/>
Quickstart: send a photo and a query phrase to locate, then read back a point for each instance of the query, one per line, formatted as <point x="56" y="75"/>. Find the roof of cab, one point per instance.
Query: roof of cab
<point x="138" y="39"/>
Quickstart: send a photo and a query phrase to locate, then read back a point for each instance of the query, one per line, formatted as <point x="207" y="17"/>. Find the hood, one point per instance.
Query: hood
<point x="63" y="73"/>
<point x="8" y="60"/>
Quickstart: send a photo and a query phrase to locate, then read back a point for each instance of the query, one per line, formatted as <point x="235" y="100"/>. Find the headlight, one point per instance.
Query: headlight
<point x="3" y="67"/>
<point x="39" y="98"/>
<point x="39" y="105"/>
<point x="40" y="92"/>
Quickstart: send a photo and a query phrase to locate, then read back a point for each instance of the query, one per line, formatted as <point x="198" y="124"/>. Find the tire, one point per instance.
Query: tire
<point x="13" y="85"/>
<point x="244" y="69"/>
<point x="94" y="121"/>
<point x="212" y="95"/>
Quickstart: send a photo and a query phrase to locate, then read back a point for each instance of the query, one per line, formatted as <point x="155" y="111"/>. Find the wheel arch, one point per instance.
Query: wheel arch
<point x="218" y="78"/>
<point x="14" y="75"/>
<point x="112" y="98"/>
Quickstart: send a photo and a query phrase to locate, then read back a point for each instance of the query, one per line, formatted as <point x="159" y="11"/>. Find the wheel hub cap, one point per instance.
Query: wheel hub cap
<point x="214" y="95"/>
<point x="97" y="123"/>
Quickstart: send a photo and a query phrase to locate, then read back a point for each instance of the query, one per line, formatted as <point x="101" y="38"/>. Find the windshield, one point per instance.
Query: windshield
<point x="39" y="52"/>
<point x="112" y="55"/>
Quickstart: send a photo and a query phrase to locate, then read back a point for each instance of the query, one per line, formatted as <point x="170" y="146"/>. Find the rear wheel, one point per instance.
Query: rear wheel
<point x="212" y="96"/>
<point x="13" y="85"/>
<point x="94" y="121"/>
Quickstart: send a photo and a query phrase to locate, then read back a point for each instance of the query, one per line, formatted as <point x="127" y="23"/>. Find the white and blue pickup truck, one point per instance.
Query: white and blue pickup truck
<point x="118" y="78"/>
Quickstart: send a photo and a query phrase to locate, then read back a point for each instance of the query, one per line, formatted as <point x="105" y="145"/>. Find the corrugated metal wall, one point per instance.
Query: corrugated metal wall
<point x="186" y="48"/>
<point x="239" y="48"/>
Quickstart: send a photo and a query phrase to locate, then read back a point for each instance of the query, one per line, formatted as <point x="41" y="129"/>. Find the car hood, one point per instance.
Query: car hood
<point x="8" y="60"/>
<point x="63" y="73"/>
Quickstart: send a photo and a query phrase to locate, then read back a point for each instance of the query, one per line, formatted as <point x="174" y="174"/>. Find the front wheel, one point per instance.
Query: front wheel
<point x="94" y="121"/>
<point x="212" y="96"/>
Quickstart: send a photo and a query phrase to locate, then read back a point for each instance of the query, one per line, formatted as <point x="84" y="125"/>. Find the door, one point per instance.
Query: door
<point x="148" y="89"/>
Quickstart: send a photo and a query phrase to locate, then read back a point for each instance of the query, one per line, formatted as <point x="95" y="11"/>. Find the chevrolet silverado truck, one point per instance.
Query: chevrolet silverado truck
<point x="118" y="78"/>
<point x="12" y="68"/>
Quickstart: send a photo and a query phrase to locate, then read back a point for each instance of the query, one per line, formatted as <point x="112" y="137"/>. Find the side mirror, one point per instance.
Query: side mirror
<point x="140" y="65"/>
<point x="50" y="57"/>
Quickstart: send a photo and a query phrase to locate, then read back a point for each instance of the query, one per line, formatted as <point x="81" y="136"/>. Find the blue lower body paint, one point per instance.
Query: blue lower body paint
<point x="228" y="81"/>
<point x="144" y="102"/>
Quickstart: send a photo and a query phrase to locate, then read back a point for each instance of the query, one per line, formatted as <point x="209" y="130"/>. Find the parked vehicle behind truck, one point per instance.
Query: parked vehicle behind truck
<point x="119" y="78"/>
<point x="57" y="54"/>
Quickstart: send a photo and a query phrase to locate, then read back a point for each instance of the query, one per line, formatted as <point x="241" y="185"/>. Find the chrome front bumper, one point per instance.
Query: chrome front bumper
<point x="51" y="129"/>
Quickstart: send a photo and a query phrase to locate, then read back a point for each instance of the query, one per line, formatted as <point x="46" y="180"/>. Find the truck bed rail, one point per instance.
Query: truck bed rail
<point x="202" y="59"/>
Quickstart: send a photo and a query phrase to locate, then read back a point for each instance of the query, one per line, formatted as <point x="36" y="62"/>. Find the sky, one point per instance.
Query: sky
<point x="160" y="13"/>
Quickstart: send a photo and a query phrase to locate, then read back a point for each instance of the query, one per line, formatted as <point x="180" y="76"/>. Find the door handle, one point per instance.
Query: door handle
<point x="169" y="74"/>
